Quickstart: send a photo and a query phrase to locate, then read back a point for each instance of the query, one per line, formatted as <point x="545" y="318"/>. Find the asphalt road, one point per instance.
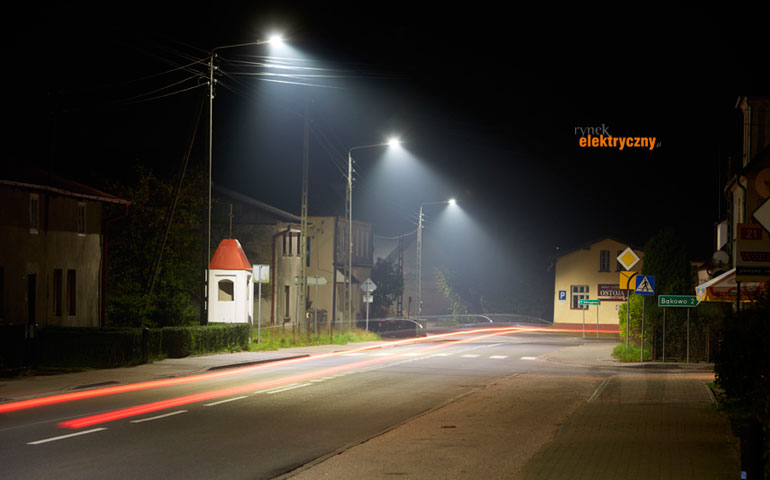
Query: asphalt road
<point x="264" y="421"/>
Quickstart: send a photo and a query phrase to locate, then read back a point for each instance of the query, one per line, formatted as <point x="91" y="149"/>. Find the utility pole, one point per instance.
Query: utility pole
<point x="302" y="280"/>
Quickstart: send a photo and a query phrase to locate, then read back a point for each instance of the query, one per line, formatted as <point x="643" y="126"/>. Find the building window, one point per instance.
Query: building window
<point x="619" y="267"/>
<point x="287" y="301"/>
<point x="71" y="292"/>
<point x="604" y="261"/>
<point x="307" y="251"/>
<point x="284" y="244"/>
<point x="58" y="287"/>
<point x="579" y="292"/>
<point x="81" y="218"/>
<point x="34" y="213"/>
<point x="226" y="291"/>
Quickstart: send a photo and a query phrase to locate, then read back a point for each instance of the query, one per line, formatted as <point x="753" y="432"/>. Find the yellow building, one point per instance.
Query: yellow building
<point x="591" y="272"/>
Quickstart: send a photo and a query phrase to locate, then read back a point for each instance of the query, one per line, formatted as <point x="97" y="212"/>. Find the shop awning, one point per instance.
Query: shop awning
<point x="724" y="288"/>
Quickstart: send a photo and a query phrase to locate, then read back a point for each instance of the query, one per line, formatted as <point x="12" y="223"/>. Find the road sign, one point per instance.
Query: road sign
<point x="762" y="215"/>
<point x="627" y="280"/>
<point x="260" y="273"/>
<point x="628" y="258"/>
<point x="562" y="296"/>
<point x="585" y="301"/>
<point x="677" y="301"/>
<point x="316" y="280"/>
<point x="645" y="285"/>
<point x="368" y="298"/>
<point x="368" y="286"/>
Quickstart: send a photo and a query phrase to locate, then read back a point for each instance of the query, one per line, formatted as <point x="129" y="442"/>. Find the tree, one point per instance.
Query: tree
<point x="135" y="246"/>
<point x="390" y="286"/>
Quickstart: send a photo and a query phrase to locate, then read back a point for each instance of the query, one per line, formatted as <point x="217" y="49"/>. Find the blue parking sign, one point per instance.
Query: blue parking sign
<point x="562" y="295"/>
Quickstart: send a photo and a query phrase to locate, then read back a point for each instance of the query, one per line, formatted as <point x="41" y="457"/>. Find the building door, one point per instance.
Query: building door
<point x="31" y="297"/>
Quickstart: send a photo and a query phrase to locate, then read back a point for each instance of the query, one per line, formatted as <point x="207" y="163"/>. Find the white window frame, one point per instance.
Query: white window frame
<point x="577" y="293"/>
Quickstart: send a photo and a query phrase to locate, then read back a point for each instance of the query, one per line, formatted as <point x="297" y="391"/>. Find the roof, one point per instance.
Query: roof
<point x="31" y="178"/>
<point x="256" y="203"/>
<point x="229" y="256"/>
<point x="588" y="245"/>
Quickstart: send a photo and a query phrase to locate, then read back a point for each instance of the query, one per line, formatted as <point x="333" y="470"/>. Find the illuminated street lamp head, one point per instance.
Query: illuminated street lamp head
<point x="276" y="39"/>
<point x="394" y="142"/>
<point x="452" y="201"/>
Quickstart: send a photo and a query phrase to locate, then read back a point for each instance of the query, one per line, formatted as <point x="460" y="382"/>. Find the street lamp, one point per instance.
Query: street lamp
<point x="451" y="201"/>
<point x="349" y="210"/>
<point x="275" y="39"/>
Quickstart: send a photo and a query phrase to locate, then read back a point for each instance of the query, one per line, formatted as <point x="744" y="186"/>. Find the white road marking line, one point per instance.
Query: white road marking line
<point x="413" y="354"/>
<point x="381" y="354"/>
<point x="53" y="439"/>
<point x="268" y="390"/>
<point x="289" y="388"/>
<point x="317" y="380"/>
<point x="599" y="389"/>
<point x="158" y="417"/>
<point x="224" y="401"/>
<point x="469" y="356"/>
<point x="529" y="358"/>
<point x="499" y="356"/>
<point x="442" y="354"/>
<point x="352" y="354"/>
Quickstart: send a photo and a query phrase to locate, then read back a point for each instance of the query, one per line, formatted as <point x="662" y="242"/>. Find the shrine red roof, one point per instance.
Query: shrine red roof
<point x="229" y="256"/>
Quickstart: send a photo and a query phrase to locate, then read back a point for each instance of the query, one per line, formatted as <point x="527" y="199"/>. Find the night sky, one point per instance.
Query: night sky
<point x="487" y="99"/>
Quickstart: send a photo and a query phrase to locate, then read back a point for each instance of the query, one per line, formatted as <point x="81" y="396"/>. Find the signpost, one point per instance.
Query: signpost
<point x="627" y="259"/>
<point x="682" y="301"/>
<point x="260" y="274"/>
<point x="368" y="287"/>
<point x="316" y="280"/>
<point x="585" y="301"/>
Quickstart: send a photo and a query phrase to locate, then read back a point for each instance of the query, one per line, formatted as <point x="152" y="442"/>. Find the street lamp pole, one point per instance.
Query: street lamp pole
<point x="419" y="253"/>
<point x="212" y="56"/>
<point x="349" y="212"/>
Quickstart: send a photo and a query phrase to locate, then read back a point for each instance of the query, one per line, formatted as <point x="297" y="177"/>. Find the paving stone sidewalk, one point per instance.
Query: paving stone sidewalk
<point x="643" y="426"/>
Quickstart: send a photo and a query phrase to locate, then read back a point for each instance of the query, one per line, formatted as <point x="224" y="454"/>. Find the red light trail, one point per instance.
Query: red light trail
<point x="99" y="392"/>
<point x="203" y="396"/>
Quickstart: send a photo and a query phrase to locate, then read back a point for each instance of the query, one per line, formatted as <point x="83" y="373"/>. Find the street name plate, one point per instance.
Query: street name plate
<point x="585" y="301"/>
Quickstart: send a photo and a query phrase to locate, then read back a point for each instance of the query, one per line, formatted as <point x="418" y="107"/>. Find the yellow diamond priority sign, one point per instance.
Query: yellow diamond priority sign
<point x="628" y="258"/>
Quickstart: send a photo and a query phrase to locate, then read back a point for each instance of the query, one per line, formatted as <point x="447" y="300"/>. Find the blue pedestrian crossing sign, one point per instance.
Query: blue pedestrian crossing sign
<point x="645" y="285"/>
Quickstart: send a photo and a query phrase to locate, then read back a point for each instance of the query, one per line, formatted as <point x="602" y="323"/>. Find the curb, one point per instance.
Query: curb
<point x="255" y="362"/>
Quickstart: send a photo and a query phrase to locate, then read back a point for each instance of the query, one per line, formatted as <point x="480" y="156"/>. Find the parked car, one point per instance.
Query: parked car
<point x="394" y="327"/>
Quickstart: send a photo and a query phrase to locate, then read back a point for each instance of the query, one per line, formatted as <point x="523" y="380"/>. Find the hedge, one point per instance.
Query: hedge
<point x="114" y="347"/>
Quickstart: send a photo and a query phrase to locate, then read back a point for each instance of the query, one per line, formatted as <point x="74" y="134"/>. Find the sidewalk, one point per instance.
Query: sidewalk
<point x="21" y="388"/>
<point x="598" y="353"/>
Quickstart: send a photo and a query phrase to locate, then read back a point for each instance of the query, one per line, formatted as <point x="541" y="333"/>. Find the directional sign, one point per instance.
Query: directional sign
<point x="316" y="280"/>
<point x="628" y="258"/>
<point x="585" y="301"/>
<point x="677" y="301"/>
<point x="368" y="286"/>
<point x="645" y="285"/>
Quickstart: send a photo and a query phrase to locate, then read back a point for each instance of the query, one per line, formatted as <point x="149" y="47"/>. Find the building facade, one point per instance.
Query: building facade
<point x="327" y="261"/>
<point x="591" y="272"/>
<point x="53" y="249"/>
